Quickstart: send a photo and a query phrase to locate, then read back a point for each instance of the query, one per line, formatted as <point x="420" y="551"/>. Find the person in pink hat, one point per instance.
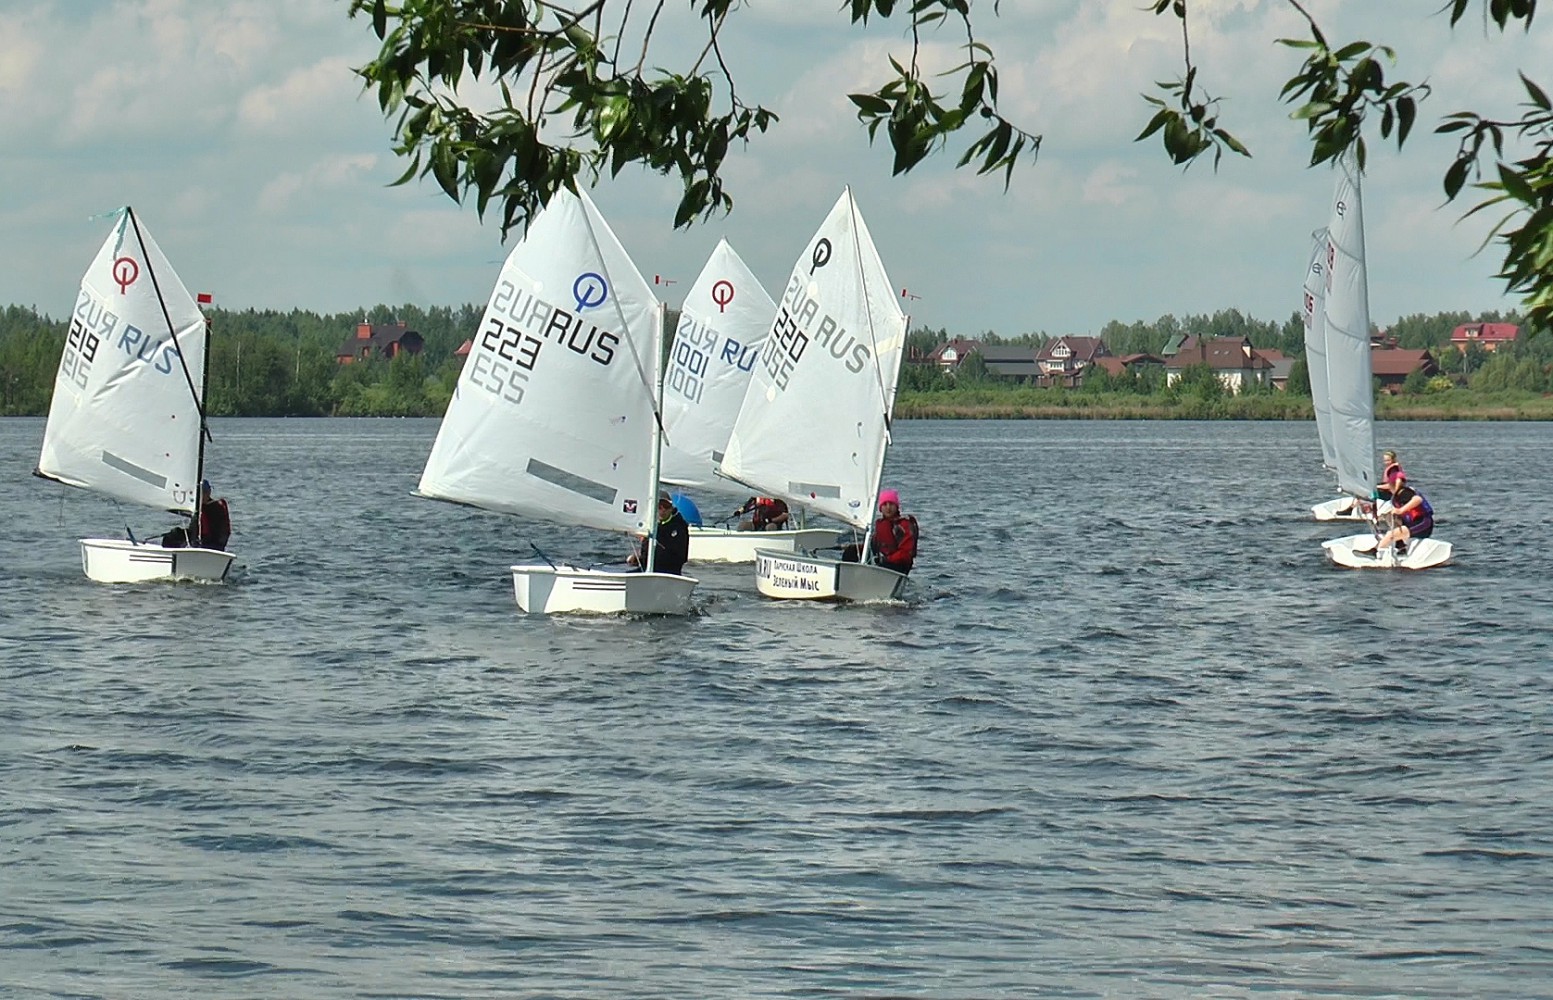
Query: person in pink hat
<point x="894" y="543"/>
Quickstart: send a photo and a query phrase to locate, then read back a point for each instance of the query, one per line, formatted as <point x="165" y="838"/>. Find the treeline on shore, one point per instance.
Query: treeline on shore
<point x="273" y="363"/>
<point x="1512" y="383"/>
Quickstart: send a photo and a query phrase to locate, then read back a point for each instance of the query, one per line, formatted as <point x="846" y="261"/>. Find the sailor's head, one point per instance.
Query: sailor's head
<point x="204" y="487"/>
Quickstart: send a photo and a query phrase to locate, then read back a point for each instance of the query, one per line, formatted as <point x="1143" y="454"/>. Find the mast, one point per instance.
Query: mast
<point x="188" y="380"/>
<point x="657" y="438"/>
<point x="204" y="435"/>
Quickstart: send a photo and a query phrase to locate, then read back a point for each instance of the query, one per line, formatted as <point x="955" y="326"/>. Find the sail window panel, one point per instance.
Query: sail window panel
<point x="824" y="491"/>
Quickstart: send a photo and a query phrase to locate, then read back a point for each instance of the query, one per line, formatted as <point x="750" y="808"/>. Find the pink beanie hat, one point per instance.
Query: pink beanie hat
<point x="890" y="496"/>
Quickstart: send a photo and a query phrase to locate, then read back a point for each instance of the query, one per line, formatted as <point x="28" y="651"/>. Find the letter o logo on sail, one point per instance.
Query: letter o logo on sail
<point x="821" y="255"/>
<point x="125" y="271"/>
<point x="589" y="290"/>
<point x="722" y="293"/>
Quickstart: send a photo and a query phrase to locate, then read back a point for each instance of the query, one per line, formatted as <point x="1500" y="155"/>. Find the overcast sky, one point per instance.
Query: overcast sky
<point x="238" y="132"/>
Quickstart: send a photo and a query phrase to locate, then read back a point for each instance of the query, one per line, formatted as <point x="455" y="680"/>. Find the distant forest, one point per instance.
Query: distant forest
<point x="272" y="363"/>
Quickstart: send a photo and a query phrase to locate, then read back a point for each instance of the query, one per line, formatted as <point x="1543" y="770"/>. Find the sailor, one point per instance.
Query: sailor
<point x="1413" y="513"/>
<point x="673" y="536"/>
<point x="765" y="514"/>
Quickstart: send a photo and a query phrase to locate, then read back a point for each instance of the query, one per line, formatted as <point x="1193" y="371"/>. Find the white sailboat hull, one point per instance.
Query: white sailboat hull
<point x="800" y="576"/>
<point x="729" y="546"/>
<point x="1359" y="552"/>
<point x="552" y="590"/>
<point x="114" y="560"/>
<point x="1346" y="509"/>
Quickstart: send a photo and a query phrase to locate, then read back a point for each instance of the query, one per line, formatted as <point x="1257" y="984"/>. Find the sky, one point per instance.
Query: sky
<point x="239" y="133"/>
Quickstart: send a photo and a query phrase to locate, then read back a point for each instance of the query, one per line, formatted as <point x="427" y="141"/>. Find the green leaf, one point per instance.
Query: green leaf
<point x="1455" y="177"/>
<point x="1538" y="96"/>
<point x="870" y="104"/>
<point x="1160" y="119"/>
<point x="1515" y="184"/>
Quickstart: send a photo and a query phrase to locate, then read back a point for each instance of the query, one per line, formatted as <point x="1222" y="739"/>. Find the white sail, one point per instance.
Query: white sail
<point x="554" y="415"/>
<point x="1313" y="312"/>
<point x="815" y="420"/>
<point x="722" y="327"/>
<point x="1348" y="338"/>
<point x="125" y="417"/>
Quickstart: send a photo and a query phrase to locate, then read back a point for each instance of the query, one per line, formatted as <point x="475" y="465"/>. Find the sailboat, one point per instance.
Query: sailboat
<point x="815" y="424"/>
<point x="127" y="417"/>
<point x="722" y="327"/>
<point x="1347" y="313"/>
<point x="556" y="414"/>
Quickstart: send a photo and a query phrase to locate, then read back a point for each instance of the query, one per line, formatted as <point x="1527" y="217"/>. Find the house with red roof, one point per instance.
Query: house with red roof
<point x="386" y="340"/>
<point x="1392" y="366"/>
<point x="1128" y="364"/>
<point x="1062" y="361"/>
<point x="1486" y="335"/>
<point x="948" y="355"/>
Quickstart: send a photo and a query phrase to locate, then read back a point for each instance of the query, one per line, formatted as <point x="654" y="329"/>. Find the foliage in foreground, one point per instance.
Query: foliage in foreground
<point x="580" y="94"/>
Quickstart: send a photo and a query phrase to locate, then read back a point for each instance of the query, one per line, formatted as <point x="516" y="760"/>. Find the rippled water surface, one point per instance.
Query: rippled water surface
<point x="1130" y="737"/>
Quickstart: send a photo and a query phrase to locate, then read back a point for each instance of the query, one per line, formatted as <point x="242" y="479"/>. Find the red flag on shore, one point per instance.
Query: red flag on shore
<point x="204" y="298"/>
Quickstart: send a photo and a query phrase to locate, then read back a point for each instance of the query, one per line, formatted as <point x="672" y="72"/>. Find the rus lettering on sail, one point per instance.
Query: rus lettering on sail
<point x="162" y="354"/>
<point x="581" y="337"/>
<point x="740" y="356"/>
<point x="824" y="330"/>
<point x="515" y="330"/>
<point x="841" y="345"/>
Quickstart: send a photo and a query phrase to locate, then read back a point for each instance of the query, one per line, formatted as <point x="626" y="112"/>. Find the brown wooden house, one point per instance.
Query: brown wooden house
<point x="386" y="340"/>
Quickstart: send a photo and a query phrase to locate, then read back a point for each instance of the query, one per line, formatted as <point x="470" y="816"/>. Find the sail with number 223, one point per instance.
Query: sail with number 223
<point x="555" y="415"/>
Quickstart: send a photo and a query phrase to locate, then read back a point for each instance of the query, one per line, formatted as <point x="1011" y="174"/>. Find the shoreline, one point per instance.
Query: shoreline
<point x="919" y="406"/>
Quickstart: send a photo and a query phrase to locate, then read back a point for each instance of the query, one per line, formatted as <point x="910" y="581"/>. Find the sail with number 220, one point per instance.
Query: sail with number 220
<point x="554" y="415"/>
<point x="815" y="421"/>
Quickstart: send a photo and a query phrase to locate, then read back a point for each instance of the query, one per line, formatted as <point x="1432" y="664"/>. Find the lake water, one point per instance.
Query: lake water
<point x="1131" y="736"/>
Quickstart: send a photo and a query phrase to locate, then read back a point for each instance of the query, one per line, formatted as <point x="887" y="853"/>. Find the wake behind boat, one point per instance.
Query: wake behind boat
<point x="127" y="419"/>
<point x="815" y="424"/>
<point x="556" y="413"/>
